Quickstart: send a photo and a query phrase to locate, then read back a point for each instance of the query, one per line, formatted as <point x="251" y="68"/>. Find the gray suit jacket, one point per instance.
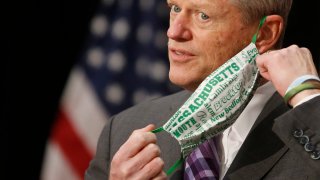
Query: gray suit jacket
<point x="269" y="152"/>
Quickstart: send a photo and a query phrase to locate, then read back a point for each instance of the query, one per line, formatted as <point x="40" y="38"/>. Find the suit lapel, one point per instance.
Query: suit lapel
<point x="262" y="148"/>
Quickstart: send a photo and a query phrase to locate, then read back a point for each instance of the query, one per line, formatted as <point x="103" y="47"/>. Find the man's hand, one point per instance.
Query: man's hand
<point x="283" y="66"/>
<point x="138" y="158"/>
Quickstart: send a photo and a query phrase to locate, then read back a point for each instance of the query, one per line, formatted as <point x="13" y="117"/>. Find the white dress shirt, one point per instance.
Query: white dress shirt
<point x="233" y="137"/>
<point x="306" y="99"/>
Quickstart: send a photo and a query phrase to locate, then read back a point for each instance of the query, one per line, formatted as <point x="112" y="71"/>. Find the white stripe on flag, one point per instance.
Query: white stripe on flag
<point x="55" y="166"/>
<point x="83" y="108"/>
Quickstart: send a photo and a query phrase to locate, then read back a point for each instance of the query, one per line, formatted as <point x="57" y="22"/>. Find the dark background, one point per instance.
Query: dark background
<point x="44" y="40"/>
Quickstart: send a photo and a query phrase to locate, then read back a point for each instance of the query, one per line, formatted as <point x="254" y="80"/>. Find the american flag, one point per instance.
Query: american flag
<point x="123" y="63"/>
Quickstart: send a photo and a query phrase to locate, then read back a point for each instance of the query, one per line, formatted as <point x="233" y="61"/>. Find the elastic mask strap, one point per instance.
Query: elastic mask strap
<point x="177" y="163"/>
<point x="157" y="130"/>
<point x="175" y="166"/>
<point x="254" y="38"/>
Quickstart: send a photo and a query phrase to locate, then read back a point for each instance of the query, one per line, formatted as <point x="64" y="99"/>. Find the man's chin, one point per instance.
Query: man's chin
<point x="184" y="83"/>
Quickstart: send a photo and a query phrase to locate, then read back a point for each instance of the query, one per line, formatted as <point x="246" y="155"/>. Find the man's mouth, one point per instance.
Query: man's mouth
<point x="180" y="55"/>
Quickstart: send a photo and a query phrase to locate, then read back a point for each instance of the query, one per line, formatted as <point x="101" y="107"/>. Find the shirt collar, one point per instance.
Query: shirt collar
<point x="247" y="118"/>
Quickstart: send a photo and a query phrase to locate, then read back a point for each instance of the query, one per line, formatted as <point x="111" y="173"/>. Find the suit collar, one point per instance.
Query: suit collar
<point x="262" y="148"/>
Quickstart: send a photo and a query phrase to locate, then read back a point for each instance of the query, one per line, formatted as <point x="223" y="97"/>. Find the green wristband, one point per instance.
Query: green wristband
<point x="299" y="88"/>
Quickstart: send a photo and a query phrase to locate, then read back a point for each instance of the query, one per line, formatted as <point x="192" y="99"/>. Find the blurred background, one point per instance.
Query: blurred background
<point x="51" y="43"/>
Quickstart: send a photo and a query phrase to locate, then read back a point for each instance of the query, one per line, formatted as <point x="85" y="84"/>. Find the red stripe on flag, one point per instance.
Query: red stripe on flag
<point x="71" y="144"/>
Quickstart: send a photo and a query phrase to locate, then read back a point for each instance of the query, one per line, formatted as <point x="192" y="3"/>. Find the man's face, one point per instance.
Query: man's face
<point x="203" y="34"/>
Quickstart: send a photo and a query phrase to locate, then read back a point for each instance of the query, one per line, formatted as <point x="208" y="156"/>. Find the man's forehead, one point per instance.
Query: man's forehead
<point x="201" y="3"/>
<point x="195" y="2"/>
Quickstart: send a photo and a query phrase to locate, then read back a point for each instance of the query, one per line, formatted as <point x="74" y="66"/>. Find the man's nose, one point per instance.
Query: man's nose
<point x="179" y="28"/>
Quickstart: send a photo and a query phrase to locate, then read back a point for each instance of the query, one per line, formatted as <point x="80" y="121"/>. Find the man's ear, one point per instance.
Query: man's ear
<point x="269" y="33"/>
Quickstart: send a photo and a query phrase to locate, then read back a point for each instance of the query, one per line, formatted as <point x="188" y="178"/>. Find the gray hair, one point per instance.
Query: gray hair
<point x="256" y="9"/>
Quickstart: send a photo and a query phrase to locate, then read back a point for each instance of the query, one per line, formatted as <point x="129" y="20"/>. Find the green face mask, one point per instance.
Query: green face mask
<point x="217" y="102"/>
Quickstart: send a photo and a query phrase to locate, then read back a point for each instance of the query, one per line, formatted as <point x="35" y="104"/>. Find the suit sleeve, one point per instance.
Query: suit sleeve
<point x="301" y="126"/>
<point x="99" y="166"/>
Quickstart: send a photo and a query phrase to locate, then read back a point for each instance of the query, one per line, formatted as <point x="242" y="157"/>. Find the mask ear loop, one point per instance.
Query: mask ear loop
<point x="177" y="163"/>
<point x="254" y="38"/>
<point x="160" y="129"/>
<point x="157" y="130"/>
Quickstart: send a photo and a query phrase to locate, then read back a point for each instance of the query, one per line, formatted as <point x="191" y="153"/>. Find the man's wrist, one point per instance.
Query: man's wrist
<point x="301" y="91"/>
<point x="301" y="96"/>
<point x="301" y="79"/>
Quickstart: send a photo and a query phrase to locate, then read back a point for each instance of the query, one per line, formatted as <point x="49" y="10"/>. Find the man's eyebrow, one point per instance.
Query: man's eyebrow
<point x="170" y="1"/>
<point x="198" y="4"/>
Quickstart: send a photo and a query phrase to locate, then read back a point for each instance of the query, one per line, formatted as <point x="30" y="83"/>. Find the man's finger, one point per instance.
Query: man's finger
<point x="151" y="170"/>
<point x="261" y="63"/>
<point x="136" y="142"/>
<point x="161" y="176"/>
<point x="148" y="153"/>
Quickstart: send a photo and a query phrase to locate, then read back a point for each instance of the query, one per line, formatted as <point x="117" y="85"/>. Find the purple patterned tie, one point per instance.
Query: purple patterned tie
<point x="203" y="162"/>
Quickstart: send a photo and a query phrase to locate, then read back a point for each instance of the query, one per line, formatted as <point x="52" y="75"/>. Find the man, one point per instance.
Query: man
<point x="260" y="144"/>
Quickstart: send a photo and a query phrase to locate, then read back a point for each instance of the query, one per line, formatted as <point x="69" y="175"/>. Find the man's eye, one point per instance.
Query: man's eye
<point x="204" y="16"/>
<point x="175" y="8"/>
